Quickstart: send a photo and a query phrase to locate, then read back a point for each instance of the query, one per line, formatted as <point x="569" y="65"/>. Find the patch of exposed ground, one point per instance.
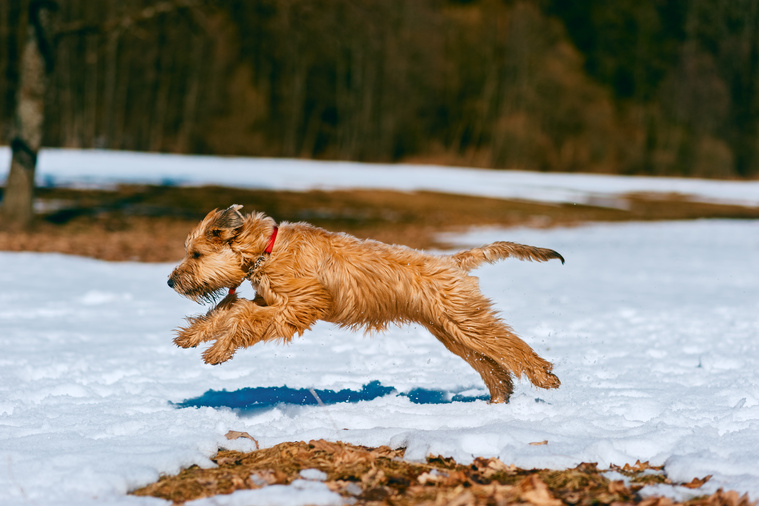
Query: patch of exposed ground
<point x="380" y="476"/>
<point x="149" y="223"/>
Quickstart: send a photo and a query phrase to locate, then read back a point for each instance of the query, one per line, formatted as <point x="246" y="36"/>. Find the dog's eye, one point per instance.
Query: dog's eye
<point x="197" y="254"/>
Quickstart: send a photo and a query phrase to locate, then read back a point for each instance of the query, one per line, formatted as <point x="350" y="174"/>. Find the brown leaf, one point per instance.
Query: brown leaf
<point x="489" y="467"/>
<point x="729" y="498"/>
<point x="325" y="446"/>
<point x="373" y="477"/>
<point x="697" y="482"/>
<point x="618" y="487"/>
<point x="535" y="491"/>
<point x="227" y="460"/>
<point x="433" y="477"/>
<point x="656" y="501"/>
<point x="539" y="443"/>
<point x="498" y="465"/>
<point x="462" y="498"/>
<point x="264" y="477"/>
<point x="639" y="467"/>
<point x="233" y="434"/>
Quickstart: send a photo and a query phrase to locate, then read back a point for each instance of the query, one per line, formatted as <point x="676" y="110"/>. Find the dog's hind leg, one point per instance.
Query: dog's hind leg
<point x="497" y="379"/>
<point x="492" y="349"/>
<point x="497" y="340"/>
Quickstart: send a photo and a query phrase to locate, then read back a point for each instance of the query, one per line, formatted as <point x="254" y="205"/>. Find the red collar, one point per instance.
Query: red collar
<point x="267" y="251"/>
<point x="273" y="238"/>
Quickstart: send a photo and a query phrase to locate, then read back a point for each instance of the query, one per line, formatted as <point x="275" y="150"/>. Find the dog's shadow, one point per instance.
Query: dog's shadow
<point x="254" y="400"/>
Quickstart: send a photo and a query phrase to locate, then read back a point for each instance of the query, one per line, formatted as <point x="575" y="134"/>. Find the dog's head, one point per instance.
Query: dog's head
<point x="217" y="253"/>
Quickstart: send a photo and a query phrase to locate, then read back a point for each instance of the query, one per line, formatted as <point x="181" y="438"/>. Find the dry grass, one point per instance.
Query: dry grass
<point x="149" y="223"/>
<point x="380" y="476"/>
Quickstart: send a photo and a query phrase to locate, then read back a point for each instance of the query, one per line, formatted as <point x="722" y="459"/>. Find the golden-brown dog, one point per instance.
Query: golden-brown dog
<point x="302" y="274"/>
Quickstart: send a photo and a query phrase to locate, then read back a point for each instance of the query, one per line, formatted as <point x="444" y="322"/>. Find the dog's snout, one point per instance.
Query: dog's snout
<point x="170" y="282"/>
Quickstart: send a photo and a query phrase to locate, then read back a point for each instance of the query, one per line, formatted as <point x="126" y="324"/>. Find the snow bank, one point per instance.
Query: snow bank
<point x="100" y="168"/>
<point x="654" y="330"/>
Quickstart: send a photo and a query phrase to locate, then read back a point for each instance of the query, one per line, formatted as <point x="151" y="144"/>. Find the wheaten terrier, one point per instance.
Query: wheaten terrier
<point x="302" y="274"/>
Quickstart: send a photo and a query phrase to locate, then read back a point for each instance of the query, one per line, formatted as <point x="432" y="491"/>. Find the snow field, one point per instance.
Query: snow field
<point x="96" y="168"/>
<point x="652" y="328"/>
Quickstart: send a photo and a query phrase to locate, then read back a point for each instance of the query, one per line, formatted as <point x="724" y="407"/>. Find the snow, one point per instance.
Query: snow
<point x="89" y="168"/>
<point x="298" y="492"/>
<point x="653" y="329"/>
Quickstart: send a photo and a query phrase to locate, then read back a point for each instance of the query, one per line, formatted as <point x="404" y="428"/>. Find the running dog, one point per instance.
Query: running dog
<point x="302" y="274"/>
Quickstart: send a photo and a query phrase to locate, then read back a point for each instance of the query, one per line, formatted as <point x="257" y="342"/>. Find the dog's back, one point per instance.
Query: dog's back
<point x="372" y="283"/>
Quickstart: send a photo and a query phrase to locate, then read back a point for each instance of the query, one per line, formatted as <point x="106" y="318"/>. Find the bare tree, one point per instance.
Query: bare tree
<point x="36" y="66"/>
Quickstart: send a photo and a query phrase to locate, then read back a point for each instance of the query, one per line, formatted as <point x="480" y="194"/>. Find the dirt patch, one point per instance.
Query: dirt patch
<point x="381" y="476"/>
<point x="149" y="223"/>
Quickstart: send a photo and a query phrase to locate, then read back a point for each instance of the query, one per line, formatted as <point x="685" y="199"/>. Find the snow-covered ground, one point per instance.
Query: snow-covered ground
<point x="97" y="168"/>
<point x="653" y="329"/>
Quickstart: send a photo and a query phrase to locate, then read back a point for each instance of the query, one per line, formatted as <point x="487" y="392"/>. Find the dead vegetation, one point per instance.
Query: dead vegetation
<point x="149" y="223"/>
<point x="381" y="476"/>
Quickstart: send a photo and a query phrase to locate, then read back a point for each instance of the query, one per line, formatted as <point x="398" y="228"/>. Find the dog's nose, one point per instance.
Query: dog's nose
<point x="170" y="282"/>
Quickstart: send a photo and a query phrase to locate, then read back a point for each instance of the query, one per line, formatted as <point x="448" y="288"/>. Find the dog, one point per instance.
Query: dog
<point x="302" y="274"/>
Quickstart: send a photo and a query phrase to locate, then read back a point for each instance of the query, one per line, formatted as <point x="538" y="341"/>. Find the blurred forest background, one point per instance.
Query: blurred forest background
<point x="629" y="87"/>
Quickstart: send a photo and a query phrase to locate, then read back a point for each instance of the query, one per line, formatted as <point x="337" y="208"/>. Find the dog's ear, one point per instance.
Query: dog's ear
<point x="226" y="223"/>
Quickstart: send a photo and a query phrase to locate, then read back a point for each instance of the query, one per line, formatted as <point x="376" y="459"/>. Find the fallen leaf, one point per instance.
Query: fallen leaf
<point x="697" y="482"/>
<point x="656" y="501"/>
<point x="534" y="490"/>
<point x="539" y="443"/>
<point x="233" y="434"/>
<point x="639" y="467"/>
<point x="432" y="477"/>
<point x="618" y="487"/>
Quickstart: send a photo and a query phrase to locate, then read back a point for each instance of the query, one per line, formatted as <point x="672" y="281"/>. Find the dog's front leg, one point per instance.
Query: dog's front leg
<point x="206" y="327"/>
<point x="243" y="325"/>
<point x="203" y="328"/>
<point x="248" y="323"/>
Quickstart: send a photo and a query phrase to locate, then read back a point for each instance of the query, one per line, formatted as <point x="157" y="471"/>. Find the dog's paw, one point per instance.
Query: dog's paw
<point x="185" y="338"/>
<point x="188" y="337"/>
<point x="218" y="353"/>
<point x="498" y="398"/>
<point x="545" y="379"/>
<point x="552" y="381"/>
<point x="199" y="330"/>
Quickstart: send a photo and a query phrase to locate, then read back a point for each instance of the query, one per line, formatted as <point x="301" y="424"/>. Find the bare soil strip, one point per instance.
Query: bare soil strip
<point x="149" y="223"/>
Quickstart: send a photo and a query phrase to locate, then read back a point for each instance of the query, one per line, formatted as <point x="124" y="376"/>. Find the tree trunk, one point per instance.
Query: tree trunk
<point x="36" y="65"/>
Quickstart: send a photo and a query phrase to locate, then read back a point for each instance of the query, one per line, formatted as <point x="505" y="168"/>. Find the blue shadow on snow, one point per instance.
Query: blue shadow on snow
<point x="257" y="398"/>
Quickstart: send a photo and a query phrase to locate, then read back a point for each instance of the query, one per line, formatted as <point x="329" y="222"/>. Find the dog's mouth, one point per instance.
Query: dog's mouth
<point x="202" y="293"/>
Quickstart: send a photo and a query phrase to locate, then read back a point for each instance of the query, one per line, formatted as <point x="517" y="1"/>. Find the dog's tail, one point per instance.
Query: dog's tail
<point x="471" y="258"/>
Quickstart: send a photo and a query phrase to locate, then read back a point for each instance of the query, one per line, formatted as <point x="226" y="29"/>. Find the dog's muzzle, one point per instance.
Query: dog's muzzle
<point x="170" y="282"/>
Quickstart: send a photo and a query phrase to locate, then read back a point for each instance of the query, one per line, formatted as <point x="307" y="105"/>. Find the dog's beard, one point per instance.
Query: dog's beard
<point x="218" y="300"/>
<point x="205" y="295"/>
<point x="211" y="298"/>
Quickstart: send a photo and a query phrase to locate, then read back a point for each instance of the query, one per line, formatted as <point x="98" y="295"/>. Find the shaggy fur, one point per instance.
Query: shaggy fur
<point x="312" y="274"/>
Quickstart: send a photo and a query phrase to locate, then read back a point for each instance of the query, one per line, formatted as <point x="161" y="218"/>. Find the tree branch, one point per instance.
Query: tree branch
<point x="126" y="22"/>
